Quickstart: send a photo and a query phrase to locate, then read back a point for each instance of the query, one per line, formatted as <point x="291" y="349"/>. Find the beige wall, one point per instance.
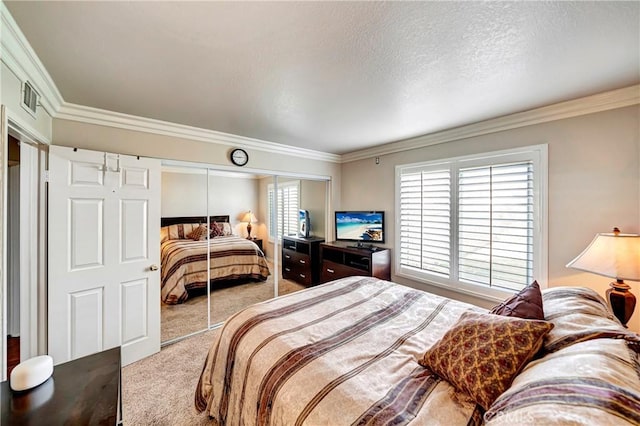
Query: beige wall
<point x="312" y="198"/>
<point x="185" y="194"/>
<point x="594" y="185"/>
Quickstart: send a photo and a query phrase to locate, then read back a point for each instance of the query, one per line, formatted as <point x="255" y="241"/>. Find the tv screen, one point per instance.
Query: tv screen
<point x="305" y="223"/>
<point x="360" y="226"/>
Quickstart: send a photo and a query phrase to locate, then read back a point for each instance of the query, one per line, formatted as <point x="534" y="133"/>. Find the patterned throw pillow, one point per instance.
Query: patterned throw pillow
<point x="526" y="304"/>
<point x="216" y="230"/>
<point x="198" y="233"/>
<point x="482" y="353"/>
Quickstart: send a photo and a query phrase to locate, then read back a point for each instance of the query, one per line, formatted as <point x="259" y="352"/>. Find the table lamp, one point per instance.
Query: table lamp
<point x="249" y="218"/>
<point x="616" y="256"/>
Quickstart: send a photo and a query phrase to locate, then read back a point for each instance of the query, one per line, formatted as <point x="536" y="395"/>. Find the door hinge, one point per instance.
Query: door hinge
<point x="45" y="175"/>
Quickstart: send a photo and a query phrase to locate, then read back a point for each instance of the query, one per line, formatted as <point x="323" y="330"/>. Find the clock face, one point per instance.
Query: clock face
<point x="239" y="157"/>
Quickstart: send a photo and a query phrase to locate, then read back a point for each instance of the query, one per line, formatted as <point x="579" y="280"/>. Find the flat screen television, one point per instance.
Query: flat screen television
<point x="305" y="223"/>
<point x="360" y="226"/>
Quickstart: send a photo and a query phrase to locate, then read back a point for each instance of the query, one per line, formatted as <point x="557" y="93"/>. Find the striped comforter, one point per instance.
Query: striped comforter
<point x="346" y="353"/>
<point x="184" y="264"/>
<point x="341" y="353"/>
<point x="590" y="374"/>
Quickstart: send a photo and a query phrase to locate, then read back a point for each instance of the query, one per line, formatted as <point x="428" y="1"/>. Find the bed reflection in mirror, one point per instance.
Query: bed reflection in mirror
<point x="211" y="266"/>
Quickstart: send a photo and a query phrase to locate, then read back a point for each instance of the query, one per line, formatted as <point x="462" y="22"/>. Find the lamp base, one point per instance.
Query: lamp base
<point x="248" y="230"/>
<point x="622" y="301"/>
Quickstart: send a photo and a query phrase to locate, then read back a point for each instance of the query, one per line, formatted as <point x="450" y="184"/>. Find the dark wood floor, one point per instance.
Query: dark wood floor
<point x="13" y="353"/>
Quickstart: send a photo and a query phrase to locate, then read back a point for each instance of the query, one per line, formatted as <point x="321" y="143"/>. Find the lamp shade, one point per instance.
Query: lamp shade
<point x="249" y="217"/>
<point x="612" y="255"/>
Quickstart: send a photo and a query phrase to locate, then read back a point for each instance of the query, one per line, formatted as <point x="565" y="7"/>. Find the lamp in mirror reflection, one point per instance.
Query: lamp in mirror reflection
<point x="614" y="255"/>
<point x="250" y="218"/>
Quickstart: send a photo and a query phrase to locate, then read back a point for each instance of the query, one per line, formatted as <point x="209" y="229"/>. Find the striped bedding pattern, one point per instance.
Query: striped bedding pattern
<point x="579" y="314"/>
<point x="184" y="264"/>
<point x="341" y="353"/>
<point x="590" y="374"/>
<point x="595" y="382"/>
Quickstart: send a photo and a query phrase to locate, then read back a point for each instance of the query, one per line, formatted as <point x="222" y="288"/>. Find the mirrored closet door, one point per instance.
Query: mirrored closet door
<point x="222" y="233"/>
<point x="240" y="273"/>
<point x="184" y="251"/>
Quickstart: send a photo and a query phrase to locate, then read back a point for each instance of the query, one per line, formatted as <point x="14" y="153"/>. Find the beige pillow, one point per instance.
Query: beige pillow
<point x="180" y="231"/>
<point x="226" y="229"/>
<point x="482" y="353"/>
<point x="164" y="234"/>
<point x="580" y="314"/>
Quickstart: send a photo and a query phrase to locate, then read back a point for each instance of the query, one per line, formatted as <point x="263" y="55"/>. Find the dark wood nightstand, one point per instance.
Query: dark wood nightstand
<point x="85" y="391"/>
<point x="258" y="242"/>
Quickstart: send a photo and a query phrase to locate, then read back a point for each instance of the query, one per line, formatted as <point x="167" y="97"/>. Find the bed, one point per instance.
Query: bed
<point x="352" y="351"/>
<point x="185" y="262"/>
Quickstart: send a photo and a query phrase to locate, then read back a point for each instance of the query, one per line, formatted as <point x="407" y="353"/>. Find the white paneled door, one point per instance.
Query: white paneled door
<point x="104" y="253"/>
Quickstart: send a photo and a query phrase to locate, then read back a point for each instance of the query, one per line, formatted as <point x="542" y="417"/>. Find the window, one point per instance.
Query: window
<point x="474" y="223"/>
<point x="287" y="209"/>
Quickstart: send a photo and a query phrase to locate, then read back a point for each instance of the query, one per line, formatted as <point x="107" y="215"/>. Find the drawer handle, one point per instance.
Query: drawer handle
<point x="303" y="261"/>
<point x="303" y="276"/>
<point x="287" y="269"/>
<point x="286" y="256"/>
<point x="291" y="247"/>
<point x="331" y="271"/>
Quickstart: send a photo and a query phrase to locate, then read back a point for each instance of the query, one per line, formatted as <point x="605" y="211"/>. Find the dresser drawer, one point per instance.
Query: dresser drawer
<point x="332" y="271"/>
<point x="294" y="258"/>
<point x="297" y="272"/>
<point x="300" y="259"/>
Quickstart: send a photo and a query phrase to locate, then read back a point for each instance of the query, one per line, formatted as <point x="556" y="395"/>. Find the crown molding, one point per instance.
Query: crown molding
<point x="21" y="59"/>
<point x="601" y="102"/>
<point x="17" y="54"/>
<point x="102" y="117"/>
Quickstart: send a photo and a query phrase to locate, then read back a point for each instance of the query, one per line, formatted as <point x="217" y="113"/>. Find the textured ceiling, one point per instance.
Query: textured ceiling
<point x="331" y="76"/>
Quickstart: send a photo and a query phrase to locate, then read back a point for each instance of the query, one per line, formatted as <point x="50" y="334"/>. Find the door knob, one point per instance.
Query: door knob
<point x="153" y="267"/>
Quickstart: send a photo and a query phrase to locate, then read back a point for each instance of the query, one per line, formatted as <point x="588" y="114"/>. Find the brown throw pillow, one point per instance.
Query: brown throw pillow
<point x="482" y="353"/>
<point x="198" y="233"/>
<point x="525" y="304"/>
<point x="216" y="230"/>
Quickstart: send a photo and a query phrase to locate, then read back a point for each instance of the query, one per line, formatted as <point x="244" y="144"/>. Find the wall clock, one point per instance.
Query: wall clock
<point x="239" y="157"/>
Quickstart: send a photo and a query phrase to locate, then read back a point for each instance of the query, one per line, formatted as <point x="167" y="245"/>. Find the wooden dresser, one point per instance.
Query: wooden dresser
<point x="85" y="391"/>
<point x="301" y="259"/>
<point x="339" y="261"/>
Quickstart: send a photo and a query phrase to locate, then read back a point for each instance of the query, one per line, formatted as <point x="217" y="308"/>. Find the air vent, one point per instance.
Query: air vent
<point x="29" y="97"/>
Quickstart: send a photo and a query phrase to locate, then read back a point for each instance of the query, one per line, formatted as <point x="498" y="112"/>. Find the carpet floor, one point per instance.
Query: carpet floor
<point x="159" y="390"/>
<point x="191" y="316"/>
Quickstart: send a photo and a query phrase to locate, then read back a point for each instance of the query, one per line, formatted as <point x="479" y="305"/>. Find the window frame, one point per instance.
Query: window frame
<point x="538" y="154"/>
<point x="271" y="188"/>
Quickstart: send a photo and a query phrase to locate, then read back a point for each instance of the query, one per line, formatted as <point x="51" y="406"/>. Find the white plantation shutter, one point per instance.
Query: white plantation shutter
<point x="495" y="216"/>
<point x="288" y="210"/>
<point x="473" y="222"/>
<point x="425" y="220"/>
<point x="271" y="218"/>
<point x="287" y="205"/>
